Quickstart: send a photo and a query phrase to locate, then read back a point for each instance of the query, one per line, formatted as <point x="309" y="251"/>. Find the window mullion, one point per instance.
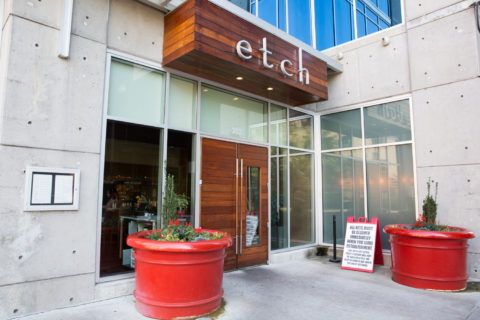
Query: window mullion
<point x="365" y="197"/>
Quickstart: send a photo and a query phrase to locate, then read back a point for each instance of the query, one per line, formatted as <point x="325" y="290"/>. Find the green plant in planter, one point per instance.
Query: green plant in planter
<point x="430" y="204"/>
<point x="428" y="220"/>
<point x="172" y="201"/>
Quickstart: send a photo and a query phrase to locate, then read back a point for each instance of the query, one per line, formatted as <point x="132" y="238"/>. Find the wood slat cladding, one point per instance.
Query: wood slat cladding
<point x="201" y="38"/>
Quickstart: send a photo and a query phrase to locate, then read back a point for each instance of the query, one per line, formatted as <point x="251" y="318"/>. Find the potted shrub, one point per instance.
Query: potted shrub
<point x="179" y="268"/>
<point x="428" y="255"/>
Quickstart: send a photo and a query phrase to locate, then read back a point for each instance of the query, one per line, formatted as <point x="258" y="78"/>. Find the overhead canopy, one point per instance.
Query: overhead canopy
<point x="204" y="39"/>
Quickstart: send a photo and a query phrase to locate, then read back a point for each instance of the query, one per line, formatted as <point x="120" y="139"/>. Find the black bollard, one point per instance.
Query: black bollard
<point x="335" y="259"/>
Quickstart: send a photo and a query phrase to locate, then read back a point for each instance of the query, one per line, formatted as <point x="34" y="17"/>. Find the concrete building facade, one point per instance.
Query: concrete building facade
<point x="52" y="114"/>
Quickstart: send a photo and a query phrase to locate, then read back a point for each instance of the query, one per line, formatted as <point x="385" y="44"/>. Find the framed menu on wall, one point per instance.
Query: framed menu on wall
<point x="51" y="189"/>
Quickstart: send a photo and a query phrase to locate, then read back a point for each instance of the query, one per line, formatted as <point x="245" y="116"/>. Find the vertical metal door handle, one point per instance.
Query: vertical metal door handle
<point x="236" y="205"/>
<point x="241" y="205"/>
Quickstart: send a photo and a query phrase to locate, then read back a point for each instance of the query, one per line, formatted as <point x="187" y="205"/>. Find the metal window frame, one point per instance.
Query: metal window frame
<point x="364" y="147"/>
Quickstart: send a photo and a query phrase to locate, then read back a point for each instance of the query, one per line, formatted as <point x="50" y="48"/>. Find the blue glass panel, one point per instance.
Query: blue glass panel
<point x="282" y="16"/>
<point x="383" y="5"/>
<point x="361" y="28"/>
<point x="299" y="20"/>
<point x="324" y="24"/>
<point x="360" y="6"/>
<point x="343" y="22"/>
<point x="244" y="4"/>
<point x="267" y="11"/>
<point x="372" y="15"/>
<point x="383" y="24"/>
<point x="371" y="27"/>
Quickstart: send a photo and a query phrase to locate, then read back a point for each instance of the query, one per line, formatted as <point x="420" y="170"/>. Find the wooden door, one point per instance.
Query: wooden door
<point x="218" y="204"/>
<point x="234" y="198"/>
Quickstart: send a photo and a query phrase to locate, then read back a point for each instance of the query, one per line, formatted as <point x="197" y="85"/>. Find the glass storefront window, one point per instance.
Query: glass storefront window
<point x="301" y="199"/>
<point x="279" y="198"/>
<point x="136" y="93"/>
<point x="342" y="186"/>
<point x="388" y="123"/>
<point x="300" y="130"/>
<point x="278" y="125"/>
<point x="130" y="191"/>
<point x="341" y="130"/>
<point x="182" y="104"/>
<point x="390" y="186"/>
<point x="233" y="116"/>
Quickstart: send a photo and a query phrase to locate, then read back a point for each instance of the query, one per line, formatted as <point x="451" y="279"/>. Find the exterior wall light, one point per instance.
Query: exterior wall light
<point x="385" y="41"/>
<point x="270" y="89"/>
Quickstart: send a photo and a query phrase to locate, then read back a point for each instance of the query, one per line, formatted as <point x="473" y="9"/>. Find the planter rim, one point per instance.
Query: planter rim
<point x="399" y="229"/>
<point x="138" y="241"/>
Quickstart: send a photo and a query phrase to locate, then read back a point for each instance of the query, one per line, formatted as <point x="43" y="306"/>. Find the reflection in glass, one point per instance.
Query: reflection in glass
<point x="136" y="93"/>
<point x="301" y="198"/>
<point x="252" y="236"/>
<point x="324" y="20"/>
<point x="278" y="125"/>
<point x="279" y="198"/>
<point x="342" y="190"/>
<point x="299" y="20"/>
<point x="390" y="186"/>
<point x="341" y="130"/>
<point x="301" y="130"/>
<point x="343" y="21"/>
<point x="387" y="123"/>
<point x="181" y="107"/>
<point x="267" y="10"/>
<point x="233" y="116"/>
<point x="130" y="191"/>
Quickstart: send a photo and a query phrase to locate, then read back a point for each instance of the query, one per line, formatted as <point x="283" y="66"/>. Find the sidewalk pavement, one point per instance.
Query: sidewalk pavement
<point x="305" y="289"/>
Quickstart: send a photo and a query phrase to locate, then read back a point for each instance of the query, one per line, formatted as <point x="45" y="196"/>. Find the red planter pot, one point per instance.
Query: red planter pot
<point x="429" y="259"/>
<point x="177" y="279"/>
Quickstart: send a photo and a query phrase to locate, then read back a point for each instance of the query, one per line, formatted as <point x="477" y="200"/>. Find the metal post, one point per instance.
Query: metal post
<point x="334" y="259"/>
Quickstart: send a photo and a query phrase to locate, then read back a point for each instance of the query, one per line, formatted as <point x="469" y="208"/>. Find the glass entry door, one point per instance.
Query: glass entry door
<point x="234" y="198"/>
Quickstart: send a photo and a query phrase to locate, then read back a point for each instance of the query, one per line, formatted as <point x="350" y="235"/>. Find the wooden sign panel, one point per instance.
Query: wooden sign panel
<point x="363" y="247"/>
<point x="208" y="41"/>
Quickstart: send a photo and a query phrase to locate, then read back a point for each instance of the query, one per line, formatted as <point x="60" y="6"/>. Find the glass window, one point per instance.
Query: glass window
<point x="384" y="6"/>
<point x="361" y="27"/>
<point x="387" y="123"/>
<point x="233" y="116"/>
<point x="389" y="168"/>
<point x="343" y="21"/>
<point x="279" y="198"/>
<point x="301" y="130"/>
<point x="182" y="102"/>
<point x="282" y="18"/>
<point x="181" y="165"/>
<point x="244" y="4"/>
<point x="324" y="27"/>
<point x="342" y="186"/>
<point x="341" y="130"/>
<point x="253" y="207"/>
<point x="267" y="10"/>
<point x="136" y="93"/>
<point x="130" y="191"/>
<point x="278" y="125"/>
<point x="390" y="186"/>
<point x="299" y="20"/>
<point x="301" y="199"/>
